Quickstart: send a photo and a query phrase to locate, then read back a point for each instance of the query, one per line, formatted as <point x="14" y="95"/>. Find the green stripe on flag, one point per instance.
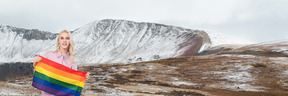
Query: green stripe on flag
<point x="54" y="81"/>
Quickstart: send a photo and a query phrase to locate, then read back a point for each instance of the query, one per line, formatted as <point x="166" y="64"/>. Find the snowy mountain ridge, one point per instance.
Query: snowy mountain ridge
<point x="112" y="41"/>
<point x="108" y="41"/>
<point x="17" y="44"/>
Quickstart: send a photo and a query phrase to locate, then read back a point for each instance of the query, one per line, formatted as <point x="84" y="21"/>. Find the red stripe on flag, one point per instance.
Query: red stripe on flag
<point x="62" y="67"/>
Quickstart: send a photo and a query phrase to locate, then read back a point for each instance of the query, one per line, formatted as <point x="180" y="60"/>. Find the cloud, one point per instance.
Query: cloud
<point x="246" y="18"/>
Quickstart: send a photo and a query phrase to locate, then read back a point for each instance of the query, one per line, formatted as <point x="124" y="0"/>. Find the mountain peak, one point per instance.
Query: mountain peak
<point x="28" y="34"/>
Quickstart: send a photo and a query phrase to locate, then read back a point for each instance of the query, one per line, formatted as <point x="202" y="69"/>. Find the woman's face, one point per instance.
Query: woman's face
<point x="64" y="40"/>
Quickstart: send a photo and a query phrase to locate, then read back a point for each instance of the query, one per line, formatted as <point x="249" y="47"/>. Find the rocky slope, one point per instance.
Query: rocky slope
<point x="249" y="70"/>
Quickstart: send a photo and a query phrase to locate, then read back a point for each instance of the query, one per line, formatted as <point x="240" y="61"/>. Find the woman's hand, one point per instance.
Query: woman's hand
<point x="36" y="59"/>
<point x="87" y="75"/>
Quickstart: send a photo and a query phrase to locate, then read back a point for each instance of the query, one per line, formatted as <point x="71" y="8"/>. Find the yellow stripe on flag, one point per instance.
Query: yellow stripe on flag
<point x="59" y="77"/>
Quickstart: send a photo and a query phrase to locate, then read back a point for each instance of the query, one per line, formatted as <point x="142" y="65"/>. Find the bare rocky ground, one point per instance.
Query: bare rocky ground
<point x="253" y="70"/>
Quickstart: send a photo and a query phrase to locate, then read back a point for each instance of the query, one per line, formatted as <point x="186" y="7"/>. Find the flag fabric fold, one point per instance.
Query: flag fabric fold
<point x="58" y="79"/>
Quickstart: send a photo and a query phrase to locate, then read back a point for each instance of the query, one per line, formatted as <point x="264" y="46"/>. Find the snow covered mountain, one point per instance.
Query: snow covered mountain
<point x="107" y="41"/>
<point x="112" y="41"/>
<point x="18" y="43"/>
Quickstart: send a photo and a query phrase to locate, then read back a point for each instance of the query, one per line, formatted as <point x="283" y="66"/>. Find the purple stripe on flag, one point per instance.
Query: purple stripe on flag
<point x="50" y="90"/>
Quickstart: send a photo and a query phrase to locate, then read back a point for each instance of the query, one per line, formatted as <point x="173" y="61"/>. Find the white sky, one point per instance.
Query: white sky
<point x="252" y="20"/>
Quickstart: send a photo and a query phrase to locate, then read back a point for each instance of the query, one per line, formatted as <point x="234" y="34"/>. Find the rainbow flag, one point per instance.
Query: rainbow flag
<point x="58" y="79"/>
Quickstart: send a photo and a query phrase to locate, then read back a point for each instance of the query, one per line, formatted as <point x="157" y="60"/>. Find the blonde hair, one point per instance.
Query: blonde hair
<point x="71" y="45"/>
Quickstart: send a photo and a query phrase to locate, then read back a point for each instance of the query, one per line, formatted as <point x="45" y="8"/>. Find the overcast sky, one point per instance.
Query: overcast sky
<point x="252" y="20"/>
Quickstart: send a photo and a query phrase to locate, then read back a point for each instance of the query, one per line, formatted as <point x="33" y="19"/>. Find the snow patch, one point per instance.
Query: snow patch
<point x="183" y="83"/>
<point x="150" y="67"/>
<point x="123" y="69"/>
<point x="239" y="77"/>
<point x="218" y="72"/>
<point x="279" y="60"/>
<point x="174" y="78"/>
<point x="4" y="91"/>
<point x="241" y="56"/>
<point x="280" y="49"/>
<point x="286" y="72"/>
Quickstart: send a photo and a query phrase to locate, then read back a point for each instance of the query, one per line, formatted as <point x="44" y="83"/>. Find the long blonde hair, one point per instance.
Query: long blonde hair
<point x="71" y="45"/>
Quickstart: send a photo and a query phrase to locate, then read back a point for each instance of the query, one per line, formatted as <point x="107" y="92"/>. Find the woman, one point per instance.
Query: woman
<point x="62" y="55"/>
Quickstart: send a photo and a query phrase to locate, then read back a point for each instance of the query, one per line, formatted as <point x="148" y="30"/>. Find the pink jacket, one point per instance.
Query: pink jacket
<point x="63" y="59"/>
